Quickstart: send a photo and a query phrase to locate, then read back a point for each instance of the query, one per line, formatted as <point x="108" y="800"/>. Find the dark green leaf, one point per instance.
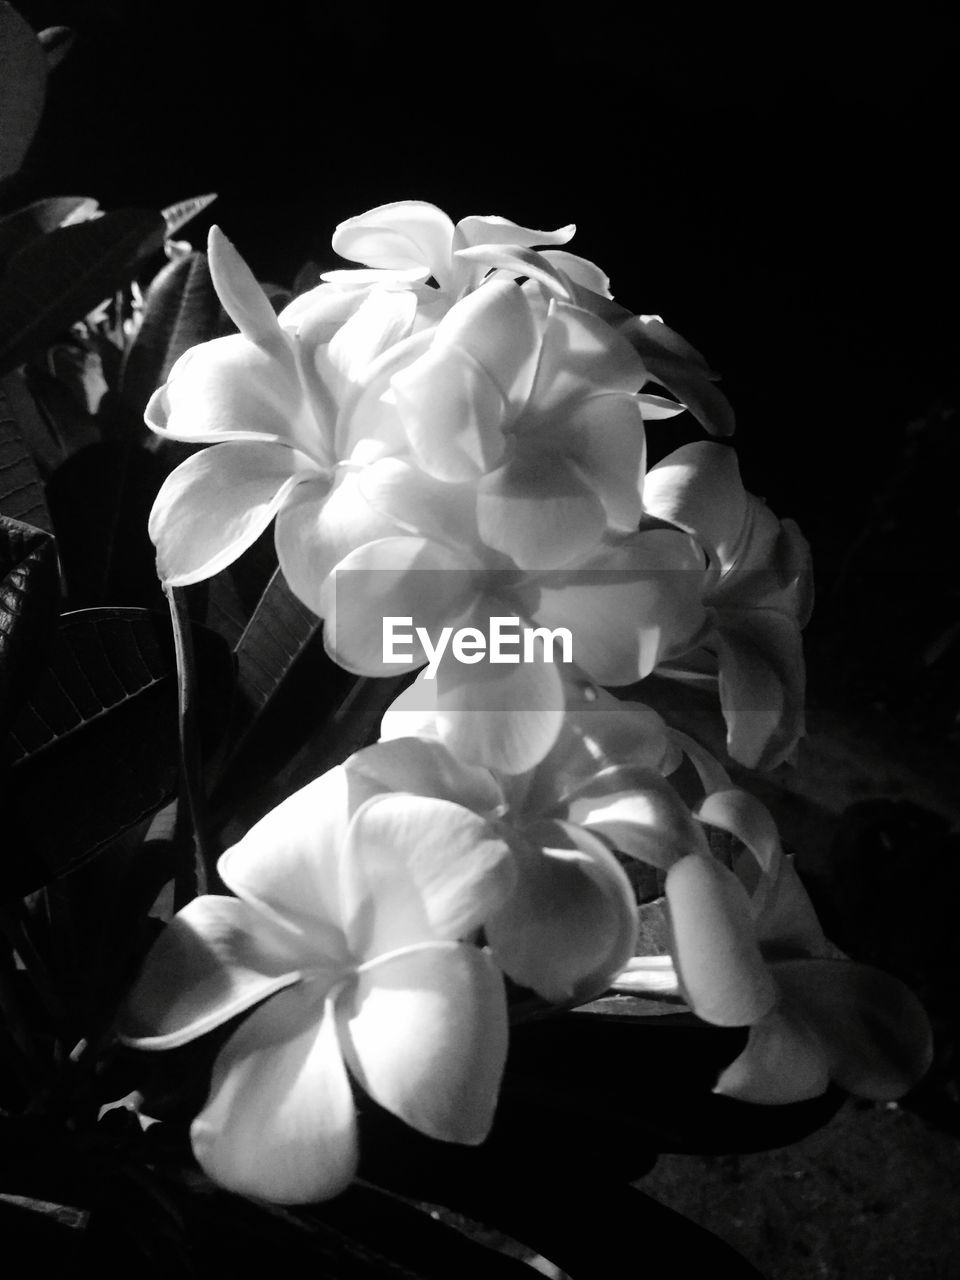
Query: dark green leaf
<point x="21" y="489"/>
<point x="95" y="749"/>
<point x="35" y="220"/>
<point x="23" y="83"/>
<point x="99" y="500"/>
<point x="29" y="604"/>
<point x="178" y="215"/>
<point x="181" y="308"/>
<point x="52" y="282"/>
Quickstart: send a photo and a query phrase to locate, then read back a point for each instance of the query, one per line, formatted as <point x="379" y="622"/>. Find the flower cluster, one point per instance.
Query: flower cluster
<point x="451" y="433"/>
<point x="456" y="432"/>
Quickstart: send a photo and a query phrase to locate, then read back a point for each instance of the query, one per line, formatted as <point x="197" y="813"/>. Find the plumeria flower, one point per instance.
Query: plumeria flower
<point x="411" y="242"/>
<point x="539" y="409"/>
<point x="814" y="1017"/>
<point x="569" y="923"/>
<point x="747" y="950"/>
<point x="267" y="400"/>
<point x="346" y="948"/>
<point x="758" y="597"/>
<point x="605" y="783"/>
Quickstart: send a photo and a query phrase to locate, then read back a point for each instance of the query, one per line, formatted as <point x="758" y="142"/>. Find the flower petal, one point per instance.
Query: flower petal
<point x="504" y="717"/>
<point x="243" y="299"/>
<point x="496" y="326"/>
<point x="582" y="354"/>
<point x="228" y="389"/>
<point x="417" y="869"/>
<point x="425" y="1034"/>
<point x="495" y="230"/>
<point x="784" y="1061"/>
<point x="424" y="768"/>
<point x="319" y="313"/>
<point x="279" y="1122"/>
<point x="384" y="318"/>
<point x="453" y="413"/>
<point x="629" y="605"/>
<point x="539" y="511"/>
<point x="761" y="684"/>
<point x="411" y="278"/>
<point x="215" y="959"/>
<point x="288" y="863"/>
<point x="673" y="363"/>
<point x="599" y="735"/>
<point x="216" y="504"/>
<point x="369" y="424"/>
<point x="640" y="814"/>
<point x="605" y="438"/>
<point x="712" y="775"/>
<point x="400" y="236"/>
<point x="419" y="503"/>
<point x="873" y="1029"/>
<point x="658" y="407"/>
<point x="515" y="261"/>
<point x="743" y="816"/>
<point x="318" y="527"/>
<point x="787" y="925"/>
<point x="724" y="977"/>
<point x="698" y="488"/>
<point x="571" y="924"/>
<point x="392" y="578"/>
<point x="580" y="270"/>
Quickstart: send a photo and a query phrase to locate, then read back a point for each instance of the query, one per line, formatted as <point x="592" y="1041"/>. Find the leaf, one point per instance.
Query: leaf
<point x="181" y="309"/>
<point x="178" y="215"/>
<point x="287" y="686"/>
<point x="37" y="219"/>
<point x="276" y="636"/>
<point x="35" y="423"/>
<point x="23" y="84"/>
<point x="226" y="602"/>
<point x="99" y="500"/>
<point x="21" y="489"/>
<point x="52" y="282"/>
<point x="29" y="604"/>
<point x="95" y="749"/>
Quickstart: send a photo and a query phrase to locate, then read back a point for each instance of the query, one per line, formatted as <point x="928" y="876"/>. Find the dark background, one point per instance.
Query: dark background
<point x="778" y="183"/>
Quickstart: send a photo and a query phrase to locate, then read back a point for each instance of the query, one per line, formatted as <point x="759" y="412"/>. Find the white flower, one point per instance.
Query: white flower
<point x="411" y="242"/>
<point x="268" y="401"/>
<point x="345" y="943"/>
<point x="758" y="596"/>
